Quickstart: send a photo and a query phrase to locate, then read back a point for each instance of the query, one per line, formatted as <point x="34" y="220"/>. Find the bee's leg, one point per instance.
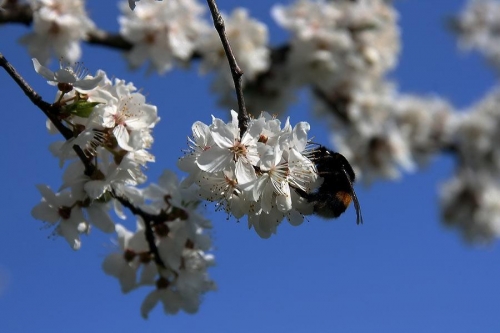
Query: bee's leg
<point x="308" y="196"/>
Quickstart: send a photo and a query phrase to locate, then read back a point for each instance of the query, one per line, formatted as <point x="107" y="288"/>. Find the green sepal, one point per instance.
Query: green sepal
<point x="105" y="197"/>
<point x="81" y="109"/>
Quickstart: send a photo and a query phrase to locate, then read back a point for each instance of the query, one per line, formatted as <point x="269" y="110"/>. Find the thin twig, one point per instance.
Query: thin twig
<point x="337" y="105"/>
<point x="15" y="12"/>
<point x="236" y="71"/>
<point x="104" y="38"/>
<point x="149" y="221"/>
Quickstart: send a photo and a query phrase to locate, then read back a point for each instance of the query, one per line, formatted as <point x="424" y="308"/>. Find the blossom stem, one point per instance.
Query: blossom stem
<point x="236" y="71"/>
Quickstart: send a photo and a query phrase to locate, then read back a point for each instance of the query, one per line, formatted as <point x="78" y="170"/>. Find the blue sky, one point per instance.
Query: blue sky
<point x="402" y="271"/>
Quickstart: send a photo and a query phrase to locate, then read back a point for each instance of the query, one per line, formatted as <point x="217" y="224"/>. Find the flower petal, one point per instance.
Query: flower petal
<point x="99" y="217"/>
<point x="42" y="70"/>
<point x="214" y="159"/>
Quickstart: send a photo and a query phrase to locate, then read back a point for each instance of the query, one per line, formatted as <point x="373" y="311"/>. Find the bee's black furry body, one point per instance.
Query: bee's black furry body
<point x="336" y="192"/>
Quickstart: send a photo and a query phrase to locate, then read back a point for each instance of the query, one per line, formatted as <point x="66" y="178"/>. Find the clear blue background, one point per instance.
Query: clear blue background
<point x="401" y="271"/>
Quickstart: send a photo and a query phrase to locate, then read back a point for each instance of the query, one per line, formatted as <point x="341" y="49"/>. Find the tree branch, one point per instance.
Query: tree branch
<point x="14" y="12"/>
<point x="51" y="112"/>
<point x="48" y="109"/>
<point x="236" y="72"/>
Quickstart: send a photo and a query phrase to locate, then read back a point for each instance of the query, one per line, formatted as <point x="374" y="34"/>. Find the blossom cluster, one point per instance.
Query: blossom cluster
<point x="182" y="244"/>
<point x="111" y="125"/>
<point x="337" y="42"/>
<point x="259" y="173"/>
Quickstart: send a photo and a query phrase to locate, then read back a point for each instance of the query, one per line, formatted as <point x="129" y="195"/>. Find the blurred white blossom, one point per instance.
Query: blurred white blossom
<point x="427" y="124"/>
<point x="365" y="131"/>
<point x="161" y="32"/>
<point x="62" y="211"/>
<point x="471" y="202"/>
<point x="134" y="257"/>
<point x="336" y="42"/>
<point x="477" y="134"/>
<point x="479" y="28"/>
<point x="58" y="28"/>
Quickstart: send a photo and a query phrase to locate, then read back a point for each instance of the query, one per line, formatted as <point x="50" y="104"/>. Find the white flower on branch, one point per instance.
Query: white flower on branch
<point x="135" y="256"/>
<point x="75" y="76"/>
<point x="63" y="211"/>
<point x="181" y="242"/>
<point x="161" y="32"/>
<point x="230" y="150"/>
<point x="58" y="28"/>
<point x="258" y="175"/>
<point x="127" y="114"/>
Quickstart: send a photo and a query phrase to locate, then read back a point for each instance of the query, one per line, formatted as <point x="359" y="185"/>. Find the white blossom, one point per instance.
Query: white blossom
<point x="62" y="211"/>
<point x="77" y="76"/>
<point x="58" y="28"/>
<point x="178" y="267"/>
<point x="127" y="114"/>
<point x="134" y="256"/>
<point x="229" y="149"/>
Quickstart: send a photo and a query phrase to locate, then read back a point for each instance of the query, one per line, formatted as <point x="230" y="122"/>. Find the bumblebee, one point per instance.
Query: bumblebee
<point x="336" y="192"/>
